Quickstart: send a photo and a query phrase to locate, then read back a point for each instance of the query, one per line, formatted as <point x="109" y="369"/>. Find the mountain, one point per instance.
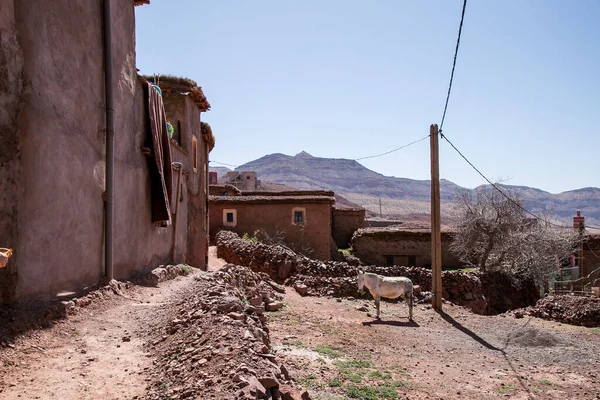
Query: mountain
<point x="402" y="197"/>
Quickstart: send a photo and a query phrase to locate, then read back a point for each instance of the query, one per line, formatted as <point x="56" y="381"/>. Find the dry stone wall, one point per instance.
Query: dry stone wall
<point x="338" y="279"/>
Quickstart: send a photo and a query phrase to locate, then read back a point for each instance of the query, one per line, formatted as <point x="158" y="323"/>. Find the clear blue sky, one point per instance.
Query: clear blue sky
<point x="347" y="79"/>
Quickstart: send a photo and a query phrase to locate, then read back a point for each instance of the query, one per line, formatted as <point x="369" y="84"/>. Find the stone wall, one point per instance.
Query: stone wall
<point x="344" y="223"/>
<point x="339" y="278"/>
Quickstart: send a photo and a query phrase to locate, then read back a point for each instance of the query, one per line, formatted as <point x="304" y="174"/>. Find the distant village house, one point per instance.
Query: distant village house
<point x="408" y="244"/>
<point x="306" y="220"/>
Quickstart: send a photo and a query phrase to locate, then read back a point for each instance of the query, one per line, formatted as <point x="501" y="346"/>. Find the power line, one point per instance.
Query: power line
<point x="353" y="159"/>
<point x="391" y="151"/>
<point x="497" y="188"/>
<point x="453" y="64"/>
<point x="220" y="163"/>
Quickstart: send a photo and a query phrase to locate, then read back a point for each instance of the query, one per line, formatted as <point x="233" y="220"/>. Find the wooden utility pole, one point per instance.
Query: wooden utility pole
<point x="380" y="214"/>
<point x="436" y="235"/>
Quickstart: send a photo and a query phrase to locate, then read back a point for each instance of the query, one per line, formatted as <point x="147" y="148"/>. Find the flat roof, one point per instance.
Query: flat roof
<point x="271" y="199"/>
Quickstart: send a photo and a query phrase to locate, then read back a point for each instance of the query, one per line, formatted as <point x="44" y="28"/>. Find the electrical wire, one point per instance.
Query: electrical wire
<point x="391" y="151"/>
<point x="352" y="159"/>
<point x="220" y="163"/>
<point x="453" y="64"/>
<point x="498" y="189"/>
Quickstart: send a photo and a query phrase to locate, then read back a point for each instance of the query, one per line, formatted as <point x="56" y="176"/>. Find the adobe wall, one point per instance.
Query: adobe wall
<point x="591" y="254"/>
<point x="60" y="129"/>
<point x="277" y="217"/>
<point x="11" y="92"/>
<point x="60" y="154"/>
<point x="344" y="223"/>
<point x="372" y="248"/>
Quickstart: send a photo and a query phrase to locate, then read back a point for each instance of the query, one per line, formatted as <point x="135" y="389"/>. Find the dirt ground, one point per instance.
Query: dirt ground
<point x="96" y="354"/>
<point x="339" y="352"/>
<point x="330" y="347"/>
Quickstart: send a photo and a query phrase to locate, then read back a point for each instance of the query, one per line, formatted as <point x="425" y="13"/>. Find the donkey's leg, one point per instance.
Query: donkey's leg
<point x="410" y="306"/>
<point x="377" y="300"/>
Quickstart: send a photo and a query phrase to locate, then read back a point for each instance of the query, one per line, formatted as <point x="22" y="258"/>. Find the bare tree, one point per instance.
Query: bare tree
<point x="495" y="233"/>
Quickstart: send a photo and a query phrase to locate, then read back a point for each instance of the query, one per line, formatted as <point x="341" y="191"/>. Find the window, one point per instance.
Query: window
<point x="298" y="216"/>
<point x="412" y="261"/>
<point x="389" y="261"/>
<point x="177" y="132"/>
<point x="195" y="152"/>
<point x="229" y="217"/>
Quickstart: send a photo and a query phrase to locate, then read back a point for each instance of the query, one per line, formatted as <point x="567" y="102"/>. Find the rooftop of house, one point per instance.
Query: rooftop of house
<point x="207" y="135"/>
<point x="262" y="199"/>
<point x="404" y="228"/>
<point x="185" y="86"/>
<point x="287" y="193"/>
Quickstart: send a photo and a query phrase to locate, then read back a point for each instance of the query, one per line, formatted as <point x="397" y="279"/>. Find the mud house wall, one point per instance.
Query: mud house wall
<point x="11" y="90"/>
<point x="139" y="245"/>
<point x="345" y="223"/>
<point x="373" y="249"/>
<point x="278" y="217"/>
<point x="60" y="128"/>
<point x="181" y="108"/>
<point x="591" y="255"/>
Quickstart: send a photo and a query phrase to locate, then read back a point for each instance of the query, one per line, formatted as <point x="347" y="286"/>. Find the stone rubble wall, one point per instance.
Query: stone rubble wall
<point x="338" y="279"/>
<point x="573" y="310"/>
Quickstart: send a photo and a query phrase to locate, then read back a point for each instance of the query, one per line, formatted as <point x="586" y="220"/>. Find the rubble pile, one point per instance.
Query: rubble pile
<point x="162" y="274"/>
<point x="573" y="310"/>
<point x="214" y="343"/>
<point x="114" y="287"/>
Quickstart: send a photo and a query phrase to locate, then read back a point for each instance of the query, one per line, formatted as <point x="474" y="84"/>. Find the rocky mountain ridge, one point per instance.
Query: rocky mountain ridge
<point x="404" y="197"/>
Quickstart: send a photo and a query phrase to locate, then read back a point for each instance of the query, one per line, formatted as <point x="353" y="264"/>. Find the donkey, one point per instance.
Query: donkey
<point x="388" y="287"/>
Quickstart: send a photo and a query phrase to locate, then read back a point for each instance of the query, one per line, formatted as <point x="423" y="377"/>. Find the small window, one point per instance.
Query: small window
<point x="298" y="217"/>
<point x="229" y="217"/>
<point x="195" y="152"/>
<point x="389" y="261"/>
<point x="412" y="261"/>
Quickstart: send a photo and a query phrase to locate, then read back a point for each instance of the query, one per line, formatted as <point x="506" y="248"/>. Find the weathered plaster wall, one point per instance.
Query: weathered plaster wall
<point x="11" y="92"/>
<point x="271" y="218"/>
<point x="591" y="255"/>
<point x="345" y="223"/>
<point x="52" y="151"/>
<point x="61" y="133"/>
<point x="373" y="249"/>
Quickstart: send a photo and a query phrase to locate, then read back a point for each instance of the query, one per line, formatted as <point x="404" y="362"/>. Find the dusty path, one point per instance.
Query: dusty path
<point x="331" y="348"/>
<point x="338" y="352"/>
<point x="96" y="354"/>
